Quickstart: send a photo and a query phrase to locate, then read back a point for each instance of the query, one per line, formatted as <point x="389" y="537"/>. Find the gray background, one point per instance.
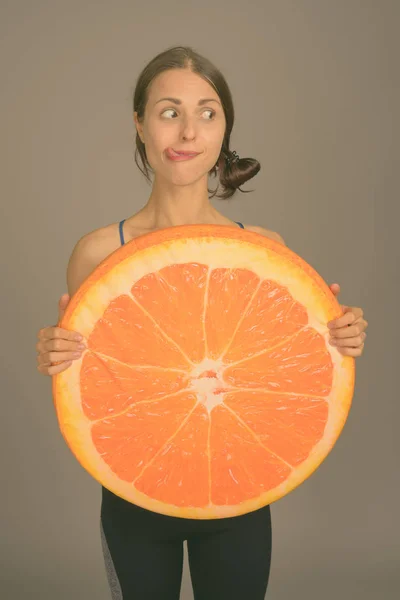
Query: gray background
<point x="315" y="87"/>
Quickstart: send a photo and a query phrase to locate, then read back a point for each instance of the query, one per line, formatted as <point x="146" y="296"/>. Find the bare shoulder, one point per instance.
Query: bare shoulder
<point x="93" y="247"/>
<point x="273" y="235"/>
<point x="89" y="251"/>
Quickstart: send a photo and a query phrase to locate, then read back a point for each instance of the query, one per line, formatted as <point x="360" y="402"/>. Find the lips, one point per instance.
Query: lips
<point x="175" y="153"/>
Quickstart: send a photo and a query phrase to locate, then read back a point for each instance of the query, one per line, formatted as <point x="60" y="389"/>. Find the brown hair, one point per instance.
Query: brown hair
<point x="231" y="176"/>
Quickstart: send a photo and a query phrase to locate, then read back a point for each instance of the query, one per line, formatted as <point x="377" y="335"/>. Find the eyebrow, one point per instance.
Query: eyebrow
<point x="177" y="101"/>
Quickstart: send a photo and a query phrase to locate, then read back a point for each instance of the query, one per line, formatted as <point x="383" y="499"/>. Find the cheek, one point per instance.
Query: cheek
<point x="157" y="137"/>
<point x="215" y="139"/>
<point x="156" y="143"/>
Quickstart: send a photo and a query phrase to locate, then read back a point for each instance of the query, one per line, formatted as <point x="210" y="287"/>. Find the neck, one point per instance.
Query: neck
<point x="171" y="205"/>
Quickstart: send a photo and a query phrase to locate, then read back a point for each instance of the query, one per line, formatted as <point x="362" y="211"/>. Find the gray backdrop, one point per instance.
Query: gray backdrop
<point x="316" y="96"/>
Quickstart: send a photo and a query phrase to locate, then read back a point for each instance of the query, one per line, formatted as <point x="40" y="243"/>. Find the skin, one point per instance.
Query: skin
<point x="179" y="196"/>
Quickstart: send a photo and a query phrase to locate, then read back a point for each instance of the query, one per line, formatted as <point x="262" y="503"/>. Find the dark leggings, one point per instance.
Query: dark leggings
<point x="229" y="558"/>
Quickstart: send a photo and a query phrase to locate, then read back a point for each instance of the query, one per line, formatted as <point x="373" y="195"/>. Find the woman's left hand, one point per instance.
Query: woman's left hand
<point x="348" y="331"/>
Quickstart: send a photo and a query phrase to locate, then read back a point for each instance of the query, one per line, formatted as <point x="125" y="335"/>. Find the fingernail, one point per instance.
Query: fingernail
<point x="332" y="342"/>
<point x="78" y="337"/>
<point x="77" y="354"/>
<point x="81" y="346"/>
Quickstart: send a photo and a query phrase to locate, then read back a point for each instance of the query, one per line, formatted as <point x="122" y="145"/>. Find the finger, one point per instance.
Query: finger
<point x="349" y="331"/>
<point x="45" y="333"/>
<point x="357" y="311"/>
<point x="49" y="358"/>
<point x="55" y="332"/>
<point x="66" y="334"/>
<point x="352" y="351"/>
<point x="59" y="345"/>
<point x="352" y="342"/>
<point x="54" y="370"/>
<point x="359" y="320"/>
<point x="335" y="288"/>
<point x="351" y="314"/>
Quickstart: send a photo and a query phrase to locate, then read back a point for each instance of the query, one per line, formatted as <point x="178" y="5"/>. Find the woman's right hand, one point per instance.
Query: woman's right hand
<point x="57" y="345"/>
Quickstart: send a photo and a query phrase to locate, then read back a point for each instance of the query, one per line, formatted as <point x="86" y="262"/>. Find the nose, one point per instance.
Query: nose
<point x="188" y="130"/>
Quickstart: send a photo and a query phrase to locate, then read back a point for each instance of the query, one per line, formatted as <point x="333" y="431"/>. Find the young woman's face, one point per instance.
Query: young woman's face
<point x="184" y="126"/>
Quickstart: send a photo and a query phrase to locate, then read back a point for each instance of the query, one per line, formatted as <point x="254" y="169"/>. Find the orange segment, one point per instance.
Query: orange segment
<point x="229" y="293"/>
<point x="108" y="387"/>
<point x="127" y="334"/>
<point x="174" y="297"/>
<point x="288" y="425"/>
<point x="180" y="473"/>
<point x="272" y="317"/>
<point x="241" y="468"/>
<point x="301" y="365"/>
<point x="128" y="442"/>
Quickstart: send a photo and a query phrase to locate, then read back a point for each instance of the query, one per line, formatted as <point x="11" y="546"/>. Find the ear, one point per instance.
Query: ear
<point x="138" y="126"/>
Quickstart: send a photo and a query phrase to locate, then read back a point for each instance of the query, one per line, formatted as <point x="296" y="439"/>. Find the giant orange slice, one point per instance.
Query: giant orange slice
<point x="208" y="388"/>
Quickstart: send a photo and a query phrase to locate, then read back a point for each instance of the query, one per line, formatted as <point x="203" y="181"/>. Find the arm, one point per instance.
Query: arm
<point x="84" y="259"/>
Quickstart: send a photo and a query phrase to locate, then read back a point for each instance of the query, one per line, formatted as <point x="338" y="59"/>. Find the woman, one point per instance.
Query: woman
<point x="182" y="103"/>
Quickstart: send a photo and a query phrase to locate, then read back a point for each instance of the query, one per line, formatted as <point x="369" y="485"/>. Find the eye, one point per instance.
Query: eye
<point x="213" y="113"/>
<point x="210" y="111"/>
<point x="168" y="110"/>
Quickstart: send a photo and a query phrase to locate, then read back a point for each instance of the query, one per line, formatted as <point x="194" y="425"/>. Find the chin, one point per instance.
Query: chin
<point x="184" y="181"/>
<point x="186" y="178"/>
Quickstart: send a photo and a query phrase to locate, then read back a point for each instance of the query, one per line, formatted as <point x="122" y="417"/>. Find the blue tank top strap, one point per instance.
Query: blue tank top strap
<point x="121" y="232"/>
<point x="240" y="224"/>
